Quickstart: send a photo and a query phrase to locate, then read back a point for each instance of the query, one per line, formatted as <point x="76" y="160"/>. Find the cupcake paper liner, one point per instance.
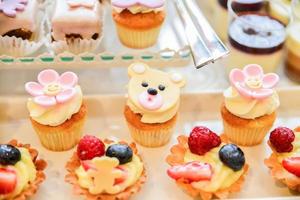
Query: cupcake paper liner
<point x="138" y="38"/>
<point x="64" y="136"/>
<point x="245" y="136"/>
<point x="177" y="157"/>
<point x="71" y="178"/>
<point x="151" y="138"/>
<point x="279" y="173"/>
<point x="16" y="47"/>
<point x="40" y="176"/>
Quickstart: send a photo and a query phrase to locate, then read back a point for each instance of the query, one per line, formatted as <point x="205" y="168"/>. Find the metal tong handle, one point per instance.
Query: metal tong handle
<point x="206" y="46"/>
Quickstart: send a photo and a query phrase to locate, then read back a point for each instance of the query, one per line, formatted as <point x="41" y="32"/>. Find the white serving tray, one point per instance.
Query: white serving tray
<point x="105" y="120"/>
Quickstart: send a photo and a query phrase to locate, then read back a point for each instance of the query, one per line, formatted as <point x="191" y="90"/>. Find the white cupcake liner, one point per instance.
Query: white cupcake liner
<point x="75" y="46"/>
<point x="151" y="138"/>
<point x="16" y="47"/>
<point x="246" y="136"/>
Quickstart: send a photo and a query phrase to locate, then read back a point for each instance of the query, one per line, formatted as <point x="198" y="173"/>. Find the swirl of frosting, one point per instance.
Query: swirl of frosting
<point x="58" y="114"/>
<point x="138" y="6"/>
<point x="55" y="98"/>
<point x="25" y="171"/>
<point x="249" y="108"/>
<point x="153" y="94"/>
<point x="252" y="94"/>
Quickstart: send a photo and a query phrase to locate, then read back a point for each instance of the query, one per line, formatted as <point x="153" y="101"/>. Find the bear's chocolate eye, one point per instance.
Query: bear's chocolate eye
<point x="145" y="84"/>
<point x="161" y="87"/>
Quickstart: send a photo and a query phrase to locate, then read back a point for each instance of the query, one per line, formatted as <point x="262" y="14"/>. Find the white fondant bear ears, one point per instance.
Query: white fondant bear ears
<point x="140" y="68"/>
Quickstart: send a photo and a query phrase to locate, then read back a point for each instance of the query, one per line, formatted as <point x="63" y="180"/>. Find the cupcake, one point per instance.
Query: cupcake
<point x="56" y="108"/>
<point x="105" y="170"/>
<point x="152" y="104"/>
<point x="205" y="165"/>
<point x="138" y="22"/>
<point x="21" y="172"/>
<point x="250" y="104"/>
<point x="284" y="162"/>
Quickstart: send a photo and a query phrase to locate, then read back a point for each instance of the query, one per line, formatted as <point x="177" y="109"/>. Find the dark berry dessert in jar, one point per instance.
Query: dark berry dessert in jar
<point x="221" y="14"/>
<point x="254" y="37"/>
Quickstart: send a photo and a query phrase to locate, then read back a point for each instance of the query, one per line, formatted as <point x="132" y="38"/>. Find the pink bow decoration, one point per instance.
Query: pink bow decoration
<point x="251" y="82"/>
<point x="51" y="88"/>
<point x="10" y="7"/>
<point x="192" y="171"/>
<point x="81" y="3"/>
<point x="130" y="3"/>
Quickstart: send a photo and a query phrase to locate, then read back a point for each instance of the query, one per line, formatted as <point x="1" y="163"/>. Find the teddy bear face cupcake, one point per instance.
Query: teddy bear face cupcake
<point x="250" y="104"/>
<point x="152" y="105"/>
<point x="284" y="162"/>
<point x="106" y="169"/>
<point x="20" y="171"/>
<point x="205" y="165"/>
<point x="56" y="109"/>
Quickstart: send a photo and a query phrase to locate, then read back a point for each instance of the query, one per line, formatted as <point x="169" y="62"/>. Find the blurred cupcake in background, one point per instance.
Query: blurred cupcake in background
<point x="56" y="109"/>
<point x="250" y="104"/>
<point x="138" y="22"/>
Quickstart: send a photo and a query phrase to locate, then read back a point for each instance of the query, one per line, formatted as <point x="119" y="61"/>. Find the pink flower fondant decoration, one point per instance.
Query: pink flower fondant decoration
<point x="81" y="3"/>
<point x="251" y="82"/>
<point x="146" y="3"/>
<point x="51" y="88"/>
<point x="10" y="7"/>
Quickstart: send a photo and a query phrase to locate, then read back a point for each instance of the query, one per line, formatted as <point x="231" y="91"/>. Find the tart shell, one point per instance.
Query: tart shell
<point x="71" y="178"/>
<point x="279" y="173"/>
<point x="40" y="165"/>
<point x="177" y="157"/>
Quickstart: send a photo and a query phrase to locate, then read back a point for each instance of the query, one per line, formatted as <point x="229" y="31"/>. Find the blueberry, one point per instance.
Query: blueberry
<point x="9" y="155"/>
<point x="120" y="151"/>
<point x="232" y="156"/>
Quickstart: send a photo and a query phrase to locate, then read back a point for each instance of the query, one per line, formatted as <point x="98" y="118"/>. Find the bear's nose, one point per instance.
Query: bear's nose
<point x="152" y="91"/>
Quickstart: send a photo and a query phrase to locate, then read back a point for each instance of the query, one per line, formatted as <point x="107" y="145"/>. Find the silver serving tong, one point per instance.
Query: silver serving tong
<point x="206" y="46"/>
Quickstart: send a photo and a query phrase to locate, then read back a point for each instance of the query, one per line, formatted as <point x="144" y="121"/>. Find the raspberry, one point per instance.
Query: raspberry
<point x="90" y="147"/>
<point x="281" y="139"/>
<point x="202" y="140"/>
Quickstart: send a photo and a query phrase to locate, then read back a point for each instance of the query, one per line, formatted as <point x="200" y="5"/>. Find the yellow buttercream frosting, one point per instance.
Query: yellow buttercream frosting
<point x="170" y="96"/>
<point x="294" y="153"/>
<point x="223" y="176"/>
<point x="26" y="173"/>
<point x="247" y="108"/>
<point x="102" y="180"/>
<point x="57" y="114"/>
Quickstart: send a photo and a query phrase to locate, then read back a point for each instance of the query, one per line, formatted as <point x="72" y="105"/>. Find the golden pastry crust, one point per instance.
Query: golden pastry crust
<point x="139" y="21"/>
<point x="135" y="120"/>
<point x="40" y="175"/>
<point x="264" y="121"/>
<point x="177" y="157"/>
<point x="279" y="173"/>
<point x="71" y="178"/>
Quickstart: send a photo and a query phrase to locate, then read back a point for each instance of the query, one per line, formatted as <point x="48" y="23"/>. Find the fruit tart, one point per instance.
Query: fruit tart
<point x="105" y="170"/>
<point x="284" y="161"/>
<point x="205" y="165"/>
<point x="21" y="172"/>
